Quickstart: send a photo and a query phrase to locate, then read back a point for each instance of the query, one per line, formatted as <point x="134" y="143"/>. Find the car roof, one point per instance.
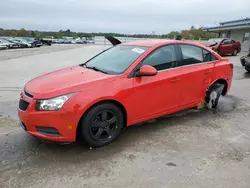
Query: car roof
<point x="158" y="42"/>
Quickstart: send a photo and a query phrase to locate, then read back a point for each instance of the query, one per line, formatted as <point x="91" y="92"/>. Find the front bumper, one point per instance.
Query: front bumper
<point x="58" y="126"/>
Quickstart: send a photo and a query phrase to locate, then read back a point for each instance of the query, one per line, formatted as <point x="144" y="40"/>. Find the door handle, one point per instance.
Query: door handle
<point x="175" y="79"/>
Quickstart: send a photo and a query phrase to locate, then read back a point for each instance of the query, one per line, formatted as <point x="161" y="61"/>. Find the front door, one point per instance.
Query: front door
<point x="226" y="47"/>
<point x="160" y="93"/>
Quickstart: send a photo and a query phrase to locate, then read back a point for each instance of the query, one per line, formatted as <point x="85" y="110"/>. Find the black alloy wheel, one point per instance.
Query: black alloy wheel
<point x="102" y="124"/>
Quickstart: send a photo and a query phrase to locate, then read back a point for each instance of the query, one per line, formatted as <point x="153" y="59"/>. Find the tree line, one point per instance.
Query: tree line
<point x="191" y="34"/>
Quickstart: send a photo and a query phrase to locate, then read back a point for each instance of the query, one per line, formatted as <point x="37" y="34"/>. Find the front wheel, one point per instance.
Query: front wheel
<point x="102" y="124"/>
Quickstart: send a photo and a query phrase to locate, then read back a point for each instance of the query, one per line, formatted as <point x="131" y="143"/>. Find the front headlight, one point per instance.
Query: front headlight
<point x="52" y="104"/>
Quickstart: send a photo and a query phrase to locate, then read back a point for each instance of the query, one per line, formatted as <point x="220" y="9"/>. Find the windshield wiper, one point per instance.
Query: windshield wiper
<point x="95" y="69"/>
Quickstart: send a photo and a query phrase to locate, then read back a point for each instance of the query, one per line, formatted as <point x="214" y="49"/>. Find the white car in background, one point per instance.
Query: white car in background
<point x="24" y="42"/>
<point x="7" y="43"/>
<point x="3" y="46"/>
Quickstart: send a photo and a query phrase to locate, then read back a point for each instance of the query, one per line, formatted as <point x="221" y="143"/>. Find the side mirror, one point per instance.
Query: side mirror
<point x="146" y="70"/>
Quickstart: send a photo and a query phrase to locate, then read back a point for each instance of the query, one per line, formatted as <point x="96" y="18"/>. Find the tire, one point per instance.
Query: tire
<point x="102" y="124"/>
<point x="247" y="69"/>
<point x="235" y="52"/>
<point x="213" y="95"/>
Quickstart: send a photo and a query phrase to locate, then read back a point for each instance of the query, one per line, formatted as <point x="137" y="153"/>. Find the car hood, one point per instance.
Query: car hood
<point x="209" y="44"/>
<point x="64" y="81"/>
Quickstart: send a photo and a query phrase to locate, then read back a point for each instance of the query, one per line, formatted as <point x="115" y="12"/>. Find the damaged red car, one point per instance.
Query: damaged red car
<point x="224" y="46"/>
<point x="126" y="84"/>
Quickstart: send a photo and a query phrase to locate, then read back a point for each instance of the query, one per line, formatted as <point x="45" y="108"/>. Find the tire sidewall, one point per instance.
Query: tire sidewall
<point x="87" y="119"/>
<point x="235" y="52"/>
<point x="247" y="69"/>
<point x="208" y="99"/>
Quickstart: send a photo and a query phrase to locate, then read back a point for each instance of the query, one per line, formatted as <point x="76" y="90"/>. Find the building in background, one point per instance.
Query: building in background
<point x="238" y="30"/>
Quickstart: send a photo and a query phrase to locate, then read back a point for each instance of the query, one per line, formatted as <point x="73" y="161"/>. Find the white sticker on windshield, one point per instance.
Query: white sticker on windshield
<point x="138" y="50"/>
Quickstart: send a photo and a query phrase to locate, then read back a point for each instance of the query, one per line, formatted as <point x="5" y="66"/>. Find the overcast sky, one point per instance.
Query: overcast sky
<point x="124" y="16"/>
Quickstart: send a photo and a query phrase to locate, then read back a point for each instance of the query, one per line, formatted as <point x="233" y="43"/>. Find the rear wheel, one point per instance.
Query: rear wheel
<point x="235" y="52"/>
<point x="213" y="95"/>
<point x="102" y="124"/>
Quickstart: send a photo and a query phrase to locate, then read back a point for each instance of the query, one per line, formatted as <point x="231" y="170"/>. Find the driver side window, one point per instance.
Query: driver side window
<point x="227" y="41"/>
<point x="162" y="58"/>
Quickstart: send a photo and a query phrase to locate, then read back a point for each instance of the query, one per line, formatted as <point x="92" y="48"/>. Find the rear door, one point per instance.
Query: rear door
<point x="196" y="72"/>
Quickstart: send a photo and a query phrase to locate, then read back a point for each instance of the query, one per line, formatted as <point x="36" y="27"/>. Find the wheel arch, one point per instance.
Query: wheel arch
<point x="221" y="81"/>
<point x="115" y="102"/>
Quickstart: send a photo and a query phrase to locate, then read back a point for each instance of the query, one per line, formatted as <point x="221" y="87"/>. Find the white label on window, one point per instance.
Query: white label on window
<point x="138" y="50"/>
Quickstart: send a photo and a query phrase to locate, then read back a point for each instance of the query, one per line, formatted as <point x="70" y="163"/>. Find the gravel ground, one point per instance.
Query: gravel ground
<point x="193" y="148"/>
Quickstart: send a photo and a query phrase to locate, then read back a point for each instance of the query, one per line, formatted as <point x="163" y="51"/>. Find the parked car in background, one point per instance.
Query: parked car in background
<point x="122" y="86"/>
<point x="46" y="42"/>
<point x="90" y="41"/>
<point x="177" y="37"/>
<point x="8" y="43"/>
<point x="224" y="46"/>
<point x="80" y="41"/>
<point x="19" y="43"/>
<point x="27" y="40"/>
<point x="67" y="41"/>
<point x="29" y="45"/>
<point x="2" y="46"/>
<point x="245" y="62"/>
<point x="35" y="42"/>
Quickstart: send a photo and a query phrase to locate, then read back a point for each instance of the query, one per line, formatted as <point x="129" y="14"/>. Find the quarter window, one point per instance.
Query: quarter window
<point x="191" y="55"/>
<point x="162" y="58"/>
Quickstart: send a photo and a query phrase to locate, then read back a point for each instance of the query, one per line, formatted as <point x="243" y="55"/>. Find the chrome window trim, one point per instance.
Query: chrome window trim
<point x="189" y="65"/>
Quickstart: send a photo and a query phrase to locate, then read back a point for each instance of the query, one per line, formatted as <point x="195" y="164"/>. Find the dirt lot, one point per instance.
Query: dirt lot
<point x="194" y="148"/>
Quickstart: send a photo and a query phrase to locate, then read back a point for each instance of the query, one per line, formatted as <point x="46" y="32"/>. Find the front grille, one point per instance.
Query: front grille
<point x="28" y="94"/>
<point x="23" y="105"/>
<point x="49" y="131"/>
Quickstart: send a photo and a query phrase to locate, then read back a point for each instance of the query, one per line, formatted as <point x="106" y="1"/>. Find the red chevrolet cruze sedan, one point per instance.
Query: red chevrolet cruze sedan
<point x="123" y="85"/>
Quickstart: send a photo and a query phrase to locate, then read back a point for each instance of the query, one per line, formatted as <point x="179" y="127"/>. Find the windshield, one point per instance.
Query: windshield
<point x="214" y="40"/>
<point x="116" y="59"/>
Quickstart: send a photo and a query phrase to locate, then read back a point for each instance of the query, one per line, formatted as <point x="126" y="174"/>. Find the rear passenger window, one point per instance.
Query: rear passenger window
<point x="162" y="58"/>
<point x="208" y="56"/>
<point x="191" y="54"/>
